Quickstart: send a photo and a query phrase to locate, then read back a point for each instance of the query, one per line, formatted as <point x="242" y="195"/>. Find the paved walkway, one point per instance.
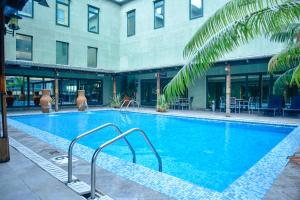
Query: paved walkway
<point x="21" y="179"/>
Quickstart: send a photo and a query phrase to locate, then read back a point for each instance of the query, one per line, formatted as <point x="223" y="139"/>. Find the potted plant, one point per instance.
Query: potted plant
<point x="162" y="104"/>
<point x="116" y="101"/>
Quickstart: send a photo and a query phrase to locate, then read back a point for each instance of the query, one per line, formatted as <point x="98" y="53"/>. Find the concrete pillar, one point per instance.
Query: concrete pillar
<point x="4" y="143"/>
<point x="157" y="85"/>
<point x="56" y="94"/>
<point x="114" y="86"/>
<point x="228" y="89"/>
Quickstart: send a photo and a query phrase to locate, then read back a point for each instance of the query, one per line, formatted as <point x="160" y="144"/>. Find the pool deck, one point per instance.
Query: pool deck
<point x="287" y="185"/>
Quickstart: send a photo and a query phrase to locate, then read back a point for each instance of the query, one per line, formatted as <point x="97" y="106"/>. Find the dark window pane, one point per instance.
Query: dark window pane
<point x="62" y="53"/>
<point x="93" y="19"/>
<point x="68" y="91"/>
<point x="27" y="9"/>
<point x="159" y="14"/>
<point x="93" y="91"/>
<point x="196" y="8"/>
<point x="131" y="23"/>
<point x="23" y="47"/>
<point x="92" y="57"/>
<point x="62" y="12"/>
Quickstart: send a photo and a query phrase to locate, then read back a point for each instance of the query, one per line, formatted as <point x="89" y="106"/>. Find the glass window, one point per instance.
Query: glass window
<point x="131" y="23"/>
<point x="62" y="12"/>
<point x="62" y="53"/>
<point x="159" y="14"/>
<point x="68" y="92"/>
<point x="23" y="47"/>
<point x="27" y="10"/>
<point x="93" y="19"/>
<point x="93" y="91"/>
<point x="92" y="57"/>
<point x="16" y="87"/>
<point x="196" y="9"/>
<point x="36" y="85"/>
<point x="216" y="91"/>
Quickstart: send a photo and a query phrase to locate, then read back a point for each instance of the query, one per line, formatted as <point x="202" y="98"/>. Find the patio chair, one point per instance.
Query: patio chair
<point x="275" y="104"/>
<point x="191" y="102"/>
<point x="233" y="103"/>
<point x="222" y="103"/>
<point x="295" y="105"/>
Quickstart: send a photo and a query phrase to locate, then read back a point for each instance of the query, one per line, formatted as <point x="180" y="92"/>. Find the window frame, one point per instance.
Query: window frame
<point x="56" y="6"/>
<point x="68" y="45"/>
<point x="32" y="14"/>
<point x="163" y="9"/>
<point x="190" y="11"/>
<point x="31" y="46"/>
<point x="129" y="12"/>
<point x="88" y="21"/>
<point x="90" y="47"/>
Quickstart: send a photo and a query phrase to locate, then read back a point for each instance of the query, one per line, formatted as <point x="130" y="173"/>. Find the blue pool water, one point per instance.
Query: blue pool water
<point x="209" y="153"/>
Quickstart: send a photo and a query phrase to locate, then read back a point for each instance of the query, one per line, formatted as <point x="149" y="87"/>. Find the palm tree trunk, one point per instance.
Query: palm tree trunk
<point x="228" y="89"/>
<point x="157" y="86"/>
<point x="114" y="87"/>
<point x="56" y="94"/>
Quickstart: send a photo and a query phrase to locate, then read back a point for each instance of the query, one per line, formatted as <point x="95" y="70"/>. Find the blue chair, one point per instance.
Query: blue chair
<point x="275" y="104"/>
<point x="295" y="105"/>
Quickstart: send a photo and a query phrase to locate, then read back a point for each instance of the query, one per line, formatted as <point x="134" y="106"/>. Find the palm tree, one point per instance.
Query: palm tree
<point x="287" y="61"/>
<point x="236" y="23"/>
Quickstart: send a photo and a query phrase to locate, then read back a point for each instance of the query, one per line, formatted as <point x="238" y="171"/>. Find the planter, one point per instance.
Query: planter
<point x="161" y="110"/>
<point x="126" y="100"/>
<point x="10" y="99"/>
<point x="36" y="98"/>
<point x="22" y="97"/>
<point x="45" y="101"/>
<point x="81" y="101"/>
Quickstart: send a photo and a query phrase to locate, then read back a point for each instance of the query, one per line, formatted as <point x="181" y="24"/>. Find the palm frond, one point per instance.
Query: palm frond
<point x="283" y="81"/>
<point x="296" y="76"/>
<point x="234" y="10"/>
<point x="237" y="33"/>
<point x="287" y="35"/>
<point x="287" y="59"/>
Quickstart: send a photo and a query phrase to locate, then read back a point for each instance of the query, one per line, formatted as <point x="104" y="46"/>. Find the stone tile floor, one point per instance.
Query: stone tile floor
<point x="287" y="185"/>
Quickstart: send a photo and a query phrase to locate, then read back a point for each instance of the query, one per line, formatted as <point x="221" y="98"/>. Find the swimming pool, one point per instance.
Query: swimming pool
<point x="208" y="153"/>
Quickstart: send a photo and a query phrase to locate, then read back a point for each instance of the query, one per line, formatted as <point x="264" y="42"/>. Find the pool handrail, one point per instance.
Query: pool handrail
<point x="126" y="100"/>
<point x="70" y="150"/>
<point x="109" y="142"/>
<point x="133" y="101"/>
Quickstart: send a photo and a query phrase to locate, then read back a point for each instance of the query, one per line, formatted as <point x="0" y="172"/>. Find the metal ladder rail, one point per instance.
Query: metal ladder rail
<point x="70" y="151"/>
<point x="123" y="104"/>
<point x="123" y="135"/>
<point x="133" y="101"/>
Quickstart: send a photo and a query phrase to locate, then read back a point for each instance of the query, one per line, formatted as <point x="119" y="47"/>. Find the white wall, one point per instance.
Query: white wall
<point x="154" y="48"/>
<point x="45" y="33"/>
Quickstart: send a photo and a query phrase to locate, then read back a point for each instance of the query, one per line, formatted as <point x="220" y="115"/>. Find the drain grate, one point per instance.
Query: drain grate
<point x="63" y="159"/>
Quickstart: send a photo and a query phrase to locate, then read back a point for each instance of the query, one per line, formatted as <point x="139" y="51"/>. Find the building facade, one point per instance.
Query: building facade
<point x="85" y="44"/>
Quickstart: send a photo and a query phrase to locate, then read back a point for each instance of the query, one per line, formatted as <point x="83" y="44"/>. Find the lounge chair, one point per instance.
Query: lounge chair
<point x="295" y="105"/>
<point x="274" y="105"/>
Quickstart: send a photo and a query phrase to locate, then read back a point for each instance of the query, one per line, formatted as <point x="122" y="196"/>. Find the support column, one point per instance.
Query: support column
<point x="114" y="87"/>
<point x="4" y="143"/>
<point x="157" y="86"/>
<point x="56" y="94"/>
<point x="228" y="89"/>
